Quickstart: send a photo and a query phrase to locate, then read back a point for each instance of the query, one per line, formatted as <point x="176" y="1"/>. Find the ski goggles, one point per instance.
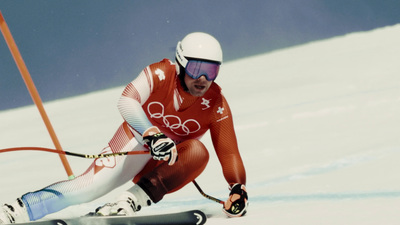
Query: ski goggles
<point x="197" y="68"/>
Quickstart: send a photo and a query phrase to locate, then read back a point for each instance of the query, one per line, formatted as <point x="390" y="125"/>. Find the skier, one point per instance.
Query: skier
<point x="166" y="110"/>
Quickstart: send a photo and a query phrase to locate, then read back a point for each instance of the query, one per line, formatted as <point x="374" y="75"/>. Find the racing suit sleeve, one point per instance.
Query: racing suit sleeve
<point x="130" y="103"/>
<point x="225" y="143"/>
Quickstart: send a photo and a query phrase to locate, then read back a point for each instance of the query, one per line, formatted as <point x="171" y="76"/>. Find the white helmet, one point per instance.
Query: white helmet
<point x="200" y="46"/>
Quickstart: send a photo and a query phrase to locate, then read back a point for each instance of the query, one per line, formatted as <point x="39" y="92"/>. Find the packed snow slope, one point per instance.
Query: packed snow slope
<point x="318" y="127"/>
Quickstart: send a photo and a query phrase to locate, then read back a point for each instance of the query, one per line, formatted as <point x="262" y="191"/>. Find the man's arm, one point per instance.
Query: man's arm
<point x="225" y="144"/>
<point x="130" y="104"/>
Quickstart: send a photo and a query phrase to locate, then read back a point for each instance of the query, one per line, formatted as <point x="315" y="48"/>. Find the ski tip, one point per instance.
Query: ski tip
<point x="200" y="216"/>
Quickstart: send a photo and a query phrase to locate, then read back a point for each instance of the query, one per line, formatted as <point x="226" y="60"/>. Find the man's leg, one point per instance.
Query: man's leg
<point x="192" y="160"/>
<point x="104" y="175"/>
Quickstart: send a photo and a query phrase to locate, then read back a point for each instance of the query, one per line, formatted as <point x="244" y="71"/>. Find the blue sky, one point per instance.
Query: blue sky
<point x="79" y="46"/>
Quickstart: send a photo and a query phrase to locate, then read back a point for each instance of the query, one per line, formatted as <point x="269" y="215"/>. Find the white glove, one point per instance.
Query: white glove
<point x="237" y="203"/>
<point x="161" y="147"/>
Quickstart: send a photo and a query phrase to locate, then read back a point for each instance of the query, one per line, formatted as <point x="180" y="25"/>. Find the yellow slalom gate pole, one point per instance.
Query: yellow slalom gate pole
<point x="32" y="90"/>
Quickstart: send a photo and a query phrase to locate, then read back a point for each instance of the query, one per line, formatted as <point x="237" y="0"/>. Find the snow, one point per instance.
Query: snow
<point x="318" y="127"/>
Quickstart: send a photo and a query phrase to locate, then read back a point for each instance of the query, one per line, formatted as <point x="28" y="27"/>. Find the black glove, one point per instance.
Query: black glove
<point x="161" y="147"/>
<point x="237" y="202"/>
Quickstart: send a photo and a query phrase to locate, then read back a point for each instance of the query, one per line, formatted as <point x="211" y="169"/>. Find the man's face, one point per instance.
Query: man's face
<point x="197" y="87"/>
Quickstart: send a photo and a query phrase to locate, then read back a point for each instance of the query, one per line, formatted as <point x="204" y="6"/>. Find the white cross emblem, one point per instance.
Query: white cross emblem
<point x="220" y="110"/>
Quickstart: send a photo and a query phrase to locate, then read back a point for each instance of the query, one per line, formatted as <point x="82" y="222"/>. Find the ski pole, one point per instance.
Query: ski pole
<point x="73" y="153"/>
<point x="206" y="195"/>
<point x="101" y="156"/>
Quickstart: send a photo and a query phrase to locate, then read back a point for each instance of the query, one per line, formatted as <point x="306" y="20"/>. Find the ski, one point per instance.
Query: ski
<point x="192" y="217"/>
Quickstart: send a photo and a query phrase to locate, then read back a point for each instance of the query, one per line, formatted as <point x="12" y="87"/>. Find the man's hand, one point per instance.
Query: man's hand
<point x="237" y="202"/>
<point x="161" y="147"/>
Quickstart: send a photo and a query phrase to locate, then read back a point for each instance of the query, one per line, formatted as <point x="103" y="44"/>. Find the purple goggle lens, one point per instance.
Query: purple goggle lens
<point x="198" y="68"/>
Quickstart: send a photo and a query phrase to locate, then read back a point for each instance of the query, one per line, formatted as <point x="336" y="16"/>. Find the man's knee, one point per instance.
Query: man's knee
<point x="193" y="149"/>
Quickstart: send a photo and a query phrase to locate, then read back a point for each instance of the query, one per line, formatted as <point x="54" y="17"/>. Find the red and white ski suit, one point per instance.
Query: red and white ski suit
<point x="154" y="98"/>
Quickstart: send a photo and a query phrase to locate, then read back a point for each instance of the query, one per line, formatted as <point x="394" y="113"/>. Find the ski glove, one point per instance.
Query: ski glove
<point x="237" y="202"/>
<point x="161" y="147"/>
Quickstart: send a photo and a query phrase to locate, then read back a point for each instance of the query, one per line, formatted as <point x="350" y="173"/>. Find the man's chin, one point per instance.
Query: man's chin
<point x="197" y="93"/>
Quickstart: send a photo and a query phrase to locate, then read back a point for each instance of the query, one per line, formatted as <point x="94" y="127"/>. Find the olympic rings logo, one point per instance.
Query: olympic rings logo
<point x="174" y="123"/>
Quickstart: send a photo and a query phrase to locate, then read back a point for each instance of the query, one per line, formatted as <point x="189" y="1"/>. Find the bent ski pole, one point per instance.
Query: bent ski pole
<point x="72" y="153"/>
<point x="206" y="195"/>
<point x="100" y="156"/>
